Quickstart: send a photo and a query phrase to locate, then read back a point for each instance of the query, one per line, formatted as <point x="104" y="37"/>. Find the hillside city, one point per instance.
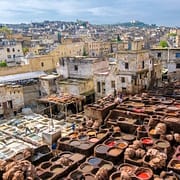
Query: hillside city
<point x="81" y="101"/>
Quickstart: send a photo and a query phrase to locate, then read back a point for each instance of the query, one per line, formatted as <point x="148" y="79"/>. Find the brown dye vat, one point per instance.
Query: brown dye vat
<point x="86" y="168"/>
<point x="65" y="139"/>
<point x="109" y="167"/>
<point x="114" y="151"/>
<point x="100" y="135"/>
<point x="46" y="175"/>
<point x="67" y="155"/>
<point x="76" y="175"/>
<point x="89" y="177"/>
<point x="74" y="143"/>
<point x="134" y="161"/>
<point x="76" y="157"/>
<point x="115" y="176"/>
<point x="57" y="169"/>
<point x="174" y="165"/>
<point x="128" y="168"/>
<point x="39" y="171"/>
<point x="85" y="145"/>
<point x="46" y="165"/>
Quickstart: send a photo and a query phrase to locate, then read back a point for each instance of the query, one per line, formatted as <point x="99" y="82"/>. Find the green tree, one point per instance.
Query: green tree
<point x="25" y="50"/>
<point x="5" y="30"/>
<point x="3" y="63"/>
<point x="118" y="38"/>
<point x="163" y="44"/>
<point x="172" y="34"/>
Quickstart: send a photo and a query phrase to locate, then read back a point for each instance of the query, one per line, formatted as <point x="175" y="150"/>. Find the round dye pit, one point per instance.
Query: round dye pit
<point x="75" y="143"/>
<point x="94" y="161"/>
<point x="83" y="137"/>
<point x="143" y="175"/>
<point x="110" y="143"/>
<point x="94" y="140"/>
<point x="163" y="144"/>
<point x="57" y="169"/>
<point x="91" y="133"/>
<point x="114" y="151"/>
<point x="107" y="166"/>
<point x="100" y="135"/>
<point x="147" y="141"/>
<point x="89" y="177"/>
<point x="101" y="149"/>
<point x="86" y="167"/>
<point x="122" y="145"/>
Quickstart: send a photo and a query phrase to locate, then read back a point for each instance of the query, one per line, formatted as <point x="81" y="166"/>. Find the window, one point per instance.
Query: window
<point x="103" y="87"/>
<point x="13" y="50"/>
<point x="158" y="54"/>
<point x="178" y="66"/>
<point x="61" y="62"/>
<point x="42" y="64"/>
<point x="98" y="87"/>
<point x="9" y="56"/>
<point x="8" y="50"/>
<point x="126" y="65"/>
<point x="140" y="76"/>
<point x="142" y="64"/>
<point x="123" y="79"/>
<point x="14" y="56"/>
<point x="177" y="55"/>
<point x="113" y="84"/>
<point x="76" y="67"/>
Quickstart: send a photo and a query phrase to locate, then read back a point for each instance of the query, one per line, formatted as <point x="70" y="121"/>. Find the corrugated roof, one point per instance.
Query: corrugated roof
<point x="22" y="76"/>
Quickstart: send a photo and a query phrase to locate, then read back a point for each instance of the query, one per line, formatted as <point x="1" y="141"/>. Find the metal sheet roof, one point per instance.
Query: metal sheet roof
<point x="23" y="76"/>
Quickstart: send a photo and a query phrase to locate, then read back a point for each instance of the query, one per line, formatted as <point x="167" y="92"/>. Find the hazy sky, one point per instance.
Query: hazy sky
<point x="160" y="12"/>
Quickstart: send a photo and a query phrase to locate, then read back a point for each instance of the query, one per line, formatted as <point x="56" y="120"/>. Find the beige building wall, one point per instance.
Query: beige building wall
<point x="76" y="87"/>
<point x="11" y="95"/>
<point x="68" y="50"/>
<point x="97" y="48"/>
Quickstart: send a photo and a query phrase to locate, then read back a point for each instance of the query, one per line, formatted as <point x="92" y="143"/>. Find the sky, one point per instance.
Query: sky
<point x="160" y="12"/>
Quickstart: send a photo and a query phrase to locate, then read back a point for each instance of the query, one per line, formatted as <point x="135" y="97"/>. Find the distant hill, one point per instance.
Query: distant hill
<point x="136" y="24"/>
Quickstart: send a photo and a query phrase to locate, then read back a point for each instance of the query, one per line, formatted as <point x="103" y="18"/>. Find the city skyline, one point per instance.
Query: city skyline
<point x="96" y="12"/>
